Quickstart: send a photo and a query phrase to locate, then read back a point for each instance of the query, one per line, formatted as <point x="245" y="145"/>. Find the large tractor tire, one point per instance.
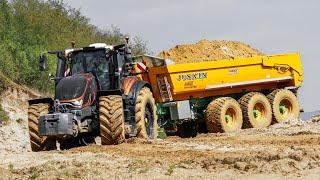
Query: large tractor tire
<point x="146" y="115"/>
<point x="256" y="110"/>
<point x="111" y="118"/>
<point x="284" y="105"/>
<point x="38" y="143"/>
<point x="223" y="115"/>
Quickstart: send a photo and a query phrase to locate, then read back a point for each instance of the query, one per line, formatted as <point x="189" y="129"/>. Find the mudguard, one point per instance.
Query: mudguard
<point x="134" y="91"/>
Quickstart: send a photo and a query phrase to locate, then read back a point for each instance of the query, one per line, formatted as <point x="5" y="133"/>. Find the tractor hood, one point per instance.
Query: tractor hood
<point x="80" y="88"/>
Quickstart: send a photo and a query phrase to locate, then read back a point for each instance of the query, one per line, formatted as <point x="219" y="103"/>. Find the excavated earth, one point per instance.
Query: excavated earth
<point x="286" y="150"/>
<point x="206" y="50"/>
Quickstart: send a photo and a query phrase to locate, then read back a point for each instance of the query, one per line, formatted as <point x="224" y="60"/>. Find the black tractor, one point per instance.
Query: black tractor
<point x="96" y="94"/>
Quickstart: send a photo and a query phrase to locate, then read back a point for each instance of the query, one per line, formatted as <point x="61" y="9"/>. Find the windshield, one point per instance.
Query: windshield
<point x="89" y="61"/>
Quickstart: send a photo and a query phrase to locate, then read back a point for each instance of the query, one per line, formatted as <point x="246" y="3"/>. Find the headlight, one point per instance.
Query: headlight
<point x="77" y="103"/>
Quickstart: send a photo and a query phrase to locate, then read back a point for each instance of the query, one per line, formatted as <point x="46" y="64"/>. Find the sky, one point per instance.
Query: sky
<point x="272" y="26"/>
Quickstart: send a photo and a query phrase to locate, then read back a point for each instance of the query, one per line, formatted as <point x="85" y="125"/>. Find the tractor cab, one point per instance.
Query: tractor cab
<point x="103" y="61"/>
<point x="82" y="73"/>
<point x="88" y="70"/>
<point x="98" y="62"/>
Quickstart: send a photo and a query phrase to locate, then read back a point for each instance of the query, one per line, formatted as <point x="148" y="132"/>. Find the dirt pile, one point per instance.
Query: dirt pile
<point x="206" y="50"/>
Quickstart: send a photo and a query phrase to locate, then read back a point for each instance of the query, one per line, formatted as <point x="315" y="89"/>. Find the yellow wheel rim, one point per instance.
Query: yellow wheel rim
<point x="285" y="108"/>
<point x="230" y="116"/>
<point x="259" y="112"/>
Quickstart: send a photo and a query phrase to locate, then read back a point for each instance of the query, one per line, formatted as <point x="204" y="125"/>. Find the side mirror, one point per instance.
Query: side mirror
<point x="42" y="62"/>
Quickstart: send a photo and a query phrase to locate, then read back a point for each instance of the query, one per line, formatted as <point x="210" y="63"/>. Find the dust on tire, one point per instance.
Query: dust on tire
<point x="145" y="97"/>
<point x="37" y="142"/>
<point x="248" y="102"/>
<point x="216" y="112"/>
<point x="279" y="96"/>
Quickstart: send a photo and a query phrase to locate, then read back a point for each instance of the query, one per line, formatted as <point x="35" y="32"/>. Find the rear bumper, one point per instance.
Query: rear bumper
<point x="56" y="124"/>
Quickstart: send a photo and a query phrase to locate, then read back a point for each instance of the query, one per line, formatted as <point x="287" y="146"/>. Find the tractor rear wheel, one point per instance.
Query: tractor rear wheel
<point x="256" y="110"/>
<point x="146" y="115"/>
<point x="284" y="105"/>
<point x="223" y="115"/>
<point x="111" y="120"/>
<point x="37" y="142"/>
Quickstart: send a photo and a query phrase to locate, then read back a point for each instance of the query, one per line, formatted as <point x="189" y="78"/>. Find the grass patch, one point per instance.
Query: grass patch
<point x="66" y="173"/>
<point x="10" y="166"/>
<point x="4" y="118"/>
<point x="4" y="82"/>
<point x="34" y="173"/>
<point x="170" y="170"/>
<point x="144" y="170"/>
<point x="186" y="161"/>
<point x="161" y="133"/>
<point x="19" y="121"/>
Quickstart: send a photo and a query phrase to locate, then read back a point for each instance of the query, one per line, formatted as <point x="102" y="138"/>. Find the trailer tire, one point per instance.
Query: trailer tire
<point x="146" y="115"/>
<point x="284" y="105"/>
<point x="256" y="110"/>
<point x="37" y="142"/>
<point x="111" y="119"/>
<point x="223" y="115"/>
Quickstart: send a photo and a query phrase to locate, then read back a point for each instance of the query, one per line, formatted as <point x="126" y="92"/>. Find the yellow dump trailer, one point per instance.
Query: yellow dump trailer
<point x="226" y="95"/>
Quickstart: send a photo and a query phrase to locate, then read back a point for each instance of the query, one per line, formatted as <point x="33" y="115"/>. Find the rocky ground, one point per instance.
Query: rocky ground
<point x="287" y="150"/>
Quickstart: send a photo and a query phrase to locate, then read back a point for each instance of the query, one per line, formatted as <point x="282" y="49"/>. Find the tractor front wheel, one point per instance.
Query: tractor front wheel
<point x="37" y="142"/>
<point x="111" y="120"/>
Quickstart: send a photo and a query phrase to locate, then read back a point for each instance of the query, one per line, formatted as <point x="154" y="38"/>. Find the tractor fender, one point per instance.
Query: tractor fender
<point x="41" y="100"/>
<point x="135" y="89"/>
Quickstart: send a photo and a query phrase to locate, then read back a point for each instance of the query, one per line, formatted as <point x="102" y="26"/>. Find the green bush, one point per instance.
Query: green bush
<point x="4" y="81"/>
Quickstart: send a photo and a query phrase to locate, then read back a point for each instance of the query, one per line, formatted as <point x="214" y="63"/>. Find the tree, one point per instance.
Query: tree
<point x="30" y="27"/>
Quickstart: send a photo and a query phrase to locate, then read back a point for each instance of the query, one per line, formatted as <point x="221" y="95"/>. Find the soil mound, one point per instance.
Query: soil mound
<point x="206" y="50"/>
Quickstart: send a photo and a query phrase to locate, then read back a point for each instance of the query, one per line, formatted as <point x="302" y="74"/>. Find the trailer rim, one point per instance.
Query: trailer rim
<point x="259" y="111"/>
<point x="230" y="116"/>
<point x="285" y="108"/>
